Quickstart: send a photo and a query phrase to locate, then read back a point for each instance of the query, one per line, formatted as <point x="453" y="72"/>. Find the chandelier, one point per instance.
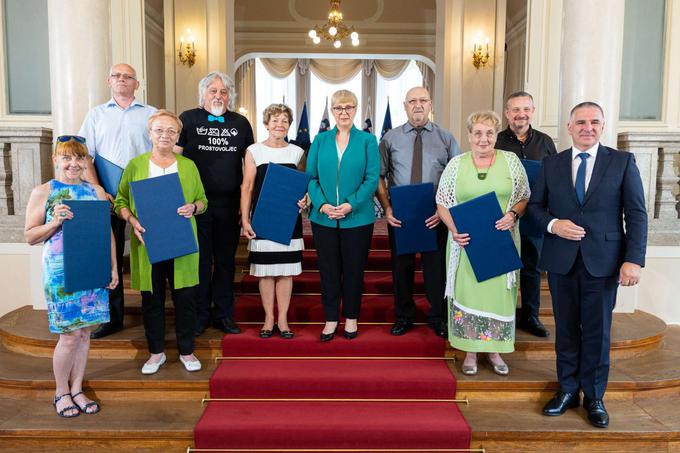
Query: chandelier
<point x="335" y="29"/>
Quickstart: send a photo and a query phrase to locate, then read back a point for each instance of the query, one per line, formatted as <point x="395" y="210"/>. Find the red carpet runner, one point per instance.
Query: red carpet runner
<point x="400" y="396"/>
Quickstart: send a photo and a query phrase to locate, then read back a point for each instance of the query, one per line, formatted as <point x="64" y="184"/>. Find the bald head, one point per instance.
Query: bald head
<point x="418" y="106"/>
<point x="123" y="81"/>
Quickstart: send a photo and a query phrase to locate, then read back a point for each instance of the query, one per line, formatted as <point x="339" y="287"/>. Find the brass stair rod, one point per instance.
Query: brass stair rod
<point x="337" y="400"/>
<point x="338" y="450"/>
<point x="329" y="358"/>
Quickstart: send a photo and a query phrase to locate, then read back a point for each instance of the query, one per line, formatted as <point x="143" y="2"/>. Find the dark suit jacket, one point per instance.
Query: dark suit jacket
<point x="615" y="191"/>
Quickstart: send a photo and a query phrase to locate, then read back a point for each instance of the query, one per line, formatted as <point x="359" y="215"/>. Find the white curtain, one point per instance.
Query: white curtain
<point x="245" y="89"/>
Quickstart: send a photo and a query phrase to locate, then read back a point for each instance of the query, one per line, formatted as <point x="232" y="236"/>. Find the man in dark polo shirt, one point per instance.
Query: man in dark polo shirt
<point x="527" y="143"/>
<point x="416" y="152"/>
<point x="215" y="138"/>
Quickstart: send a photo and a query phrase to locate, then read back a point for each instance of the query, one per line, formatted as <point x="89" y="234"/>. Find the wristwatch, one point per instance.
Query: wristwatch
<point x="515" y="214"/>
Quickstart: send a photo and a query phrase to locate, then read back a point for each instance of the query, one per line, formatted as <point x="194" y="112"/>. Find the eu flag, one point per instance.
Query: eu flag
<point x="302" y="139"/>
<point x="387" y="122"/>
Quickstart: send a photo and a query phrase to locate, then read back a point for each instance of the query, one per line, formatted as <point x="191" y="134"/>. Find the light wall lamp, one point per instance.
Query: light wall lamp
<point x="480" y="53"/>
<point x="187" y="49"/>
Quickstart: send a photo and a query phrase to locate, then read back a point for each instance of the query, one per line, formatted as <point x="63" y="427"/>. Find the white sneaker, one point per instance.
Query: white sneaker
<point x="190" y="365"/>
<point x="151" y="368"/>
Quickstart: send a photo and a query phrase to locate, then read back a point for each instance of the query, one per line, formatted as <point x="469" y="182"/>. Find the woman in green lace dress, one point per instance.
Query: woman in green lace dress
<point x="71" y="315"/>
<point x="482" y="314"/>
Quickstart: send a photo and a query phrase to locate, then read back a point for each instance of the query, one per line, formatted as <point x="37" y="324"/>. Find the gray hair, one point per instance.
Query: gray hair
<point x="586" y="104"/>
<point x="519" y="94"/>
<point x="226" y="80"/>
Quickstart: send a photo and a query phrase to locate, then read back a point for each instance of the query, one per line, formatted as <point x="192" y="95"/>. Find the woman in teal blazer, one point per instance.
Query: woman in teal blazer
<point x="344" y="165"/>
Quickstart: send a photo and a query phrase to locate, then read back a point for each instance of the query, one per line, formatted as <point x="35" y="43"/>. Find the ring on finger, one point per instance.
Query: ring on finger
<point x="62" y="214"/>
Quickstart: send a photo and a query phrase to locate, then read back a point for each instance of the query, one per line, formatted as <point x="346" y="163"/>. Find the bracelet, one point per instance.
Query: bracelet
<point x="195" y="208"/>
<point x="514" y="213"/>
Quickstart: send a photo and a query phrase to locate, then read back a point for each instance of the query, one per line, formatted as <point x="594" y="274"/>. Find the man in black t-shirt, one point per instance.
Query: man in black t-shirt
<point x="527" y="143"/>
<point x="216" y="139"/>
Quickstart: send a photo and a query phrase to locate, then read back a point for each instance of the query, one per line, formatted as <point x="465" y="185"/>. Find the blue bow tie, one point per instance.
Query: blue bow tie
<point x="219" y="119"/>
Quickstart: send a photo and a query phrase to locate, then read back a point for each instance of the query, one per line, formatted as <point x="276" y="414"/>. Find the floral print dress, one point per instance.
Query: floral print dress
<point x="68" y="312"/>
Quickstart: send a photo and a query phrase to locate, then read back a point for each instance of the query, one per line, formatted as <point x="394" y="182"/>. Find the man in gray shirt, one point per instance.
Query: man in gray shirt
<point x="413" y="153"/>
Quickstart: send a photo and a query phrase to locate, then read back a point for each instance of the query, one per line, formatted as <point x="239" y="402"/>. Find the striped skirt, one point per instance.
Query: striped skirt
<point x="271" y="259"/>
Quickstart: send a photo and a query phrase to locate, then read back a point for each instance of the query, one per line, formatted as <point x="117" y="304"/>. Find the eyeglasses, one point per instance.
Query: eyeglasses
<point x="66" y="138"/>
<point x="349" y="109"/>
<point x="171" y="132"/>
<point x="122" y="75"/>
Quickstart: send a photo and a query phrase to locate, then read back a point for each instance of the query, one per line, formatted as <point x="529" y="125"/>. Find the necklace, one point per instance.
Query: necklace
<point x="482" y="175"/>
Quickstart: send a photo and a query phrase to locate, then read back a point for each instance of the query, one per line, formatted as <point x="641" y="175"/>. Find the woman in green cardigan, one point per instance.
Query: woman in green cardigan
<point x="182" y="272"/>
<point x="344" y="165"/>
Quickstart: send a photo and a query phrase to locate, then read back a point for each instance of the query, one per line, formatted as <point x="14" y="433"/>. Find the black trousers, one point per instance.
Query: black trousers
<point x="116" y="295"/>
<point x="583" y="307"/>
<point x="342" y="254"/>
<point x="434" y="275"/>
<point x="218" y="235"/>
<point x="530" y="277"/>
<point x="153" y="310"/>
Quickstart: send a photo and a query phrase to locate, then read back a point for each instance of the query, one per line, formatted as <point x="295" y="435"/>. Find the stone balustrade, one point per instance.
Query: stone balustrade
<point x="658" y="157"/>
<point x="25" y="162"/>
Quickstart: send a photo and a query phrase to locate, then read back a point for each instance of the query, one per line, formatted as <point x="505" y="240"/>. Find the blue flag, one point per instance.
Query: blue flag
<point x="368" y="124"/>
<point x="325" y="123"/>
<point x="387" y="122"/>
<point x="302" y="139"/>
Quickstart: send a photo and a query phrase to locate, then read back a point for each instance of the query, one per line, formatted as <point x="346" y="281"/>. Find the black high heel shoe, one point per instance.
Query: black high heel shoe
<point x="328" y="336"/>
<point x="350" y="335"/>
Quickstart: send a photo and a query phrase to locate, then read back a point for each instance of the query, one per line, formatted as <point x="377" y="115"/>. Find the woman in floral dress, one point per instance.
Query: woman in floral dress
<point x="71" y="315"/>
<point x="482" y="314"/>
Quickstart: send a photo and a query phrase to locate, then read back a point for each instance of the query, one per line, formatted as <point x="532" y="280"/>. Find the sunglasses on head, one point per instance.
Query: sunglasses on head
<point x="66" y="138"/>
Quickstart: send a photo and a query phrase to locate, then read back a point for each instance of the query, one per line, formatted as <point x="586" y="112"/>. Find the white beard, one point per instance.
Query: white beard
<point x="217" y="110"/>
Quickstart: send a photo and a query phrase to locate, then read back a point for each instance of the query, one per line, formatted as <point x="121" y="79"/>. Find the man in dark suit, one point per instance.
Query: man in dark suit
<point x="581" y="198"/>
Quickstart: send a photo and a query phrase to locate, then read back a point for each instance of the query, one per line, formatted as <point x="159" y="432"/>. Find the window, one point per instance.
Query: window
<point x="272" y="90"/>
<point x="643" y="60"/>
<point x="320" y="91"/>
<point x="27" y="57"/>
<point x="396" y="91"/>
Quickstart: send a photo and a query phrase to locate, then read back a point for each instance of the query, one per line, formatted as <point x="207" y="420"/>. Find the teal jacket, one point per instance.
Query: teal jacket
<point x="354" y="181"/>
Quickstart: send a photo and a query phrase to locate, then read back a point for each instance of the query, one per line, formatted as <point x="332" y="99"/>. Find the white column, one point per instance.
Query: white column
<point x="591" y="55"/>
<point x="80" y="58"/>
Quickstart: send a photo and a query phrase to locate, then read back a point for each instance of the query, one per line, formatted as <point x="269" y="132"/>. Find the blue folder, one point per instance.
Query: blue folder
<point x="109" y="174"/>
<point x="168" y="235"/>
<point x="527" y="227"/>
<point x="491" y="252"/>
<point x="277" y="211"/>
<point x="413" y="204"/>
<point x="87" y="245"/>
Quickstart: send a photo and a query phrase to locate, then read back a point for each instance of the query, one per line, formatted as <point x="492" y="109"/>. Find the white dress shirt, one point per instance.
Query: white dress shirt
<point x="575" y="163"/>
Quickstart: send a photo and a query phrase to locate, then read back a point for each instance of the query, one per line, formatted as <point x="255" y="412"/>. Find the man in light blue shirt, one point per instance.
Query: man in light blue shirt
<point x="116" y="131"/>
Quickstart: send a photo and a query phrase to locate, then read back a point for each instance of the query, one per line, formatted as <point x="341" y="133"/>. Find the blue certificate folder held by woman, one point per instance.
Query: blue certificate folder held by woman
<point x="109" y="174"/>
<point x="87" y="245"/>
<point x="491" y="252"/>
<point x="168" y="234"/>
<point x="413" y="204"/>
<point x="277" y="210"/>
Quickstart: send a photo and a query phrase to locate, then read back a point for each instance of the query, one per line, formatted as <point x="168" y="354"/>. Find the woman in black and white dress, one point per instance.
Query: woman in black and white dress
<point x="274" y="263"/>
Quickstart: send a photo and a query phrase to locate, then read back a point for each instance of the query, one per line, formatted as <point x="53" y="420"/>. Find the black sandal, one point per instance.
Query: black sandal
<point x="287" y="334"/>
<point x="62" y="413"/>
<point x="84" y="409"/>
<point x="266" y="333"/>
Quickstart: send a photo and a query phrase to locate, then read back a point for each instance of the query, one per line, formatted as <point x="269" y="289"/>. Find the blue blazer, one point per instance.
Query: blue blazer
<point x="354" y="181"/>
<point x="615" y="191"/>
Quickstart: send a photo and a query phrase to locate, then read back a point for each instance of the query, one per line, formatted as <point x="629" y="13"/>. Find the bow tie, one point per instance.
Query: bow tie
<point x="219" y="119"/>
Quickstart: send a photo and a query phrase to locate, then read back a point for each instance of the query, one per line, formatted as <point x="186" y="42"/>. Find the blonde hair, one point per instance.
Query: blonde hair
<point x="344" y="96"/>
<point x="162" y="112"/>
<point x="70" y="147"/>
<point x="486" y="116"/>
<point x="277" y="109"/>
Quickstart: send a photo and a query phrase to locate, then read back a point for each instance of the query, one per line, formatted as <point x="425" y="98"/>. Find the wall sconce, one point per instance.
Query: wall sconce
<point x="243" y="111"/>
<point x="187" y="50"/>
<point x="480" y="54"/>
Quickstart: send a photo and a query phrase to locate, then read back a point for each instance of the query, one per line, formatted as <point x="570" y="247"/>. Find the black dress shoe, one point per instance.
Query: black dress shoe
<point x="401" y="327"/>
<point x="265" y="333"/>
<point x="227" y="325"/>
<point x="440" y="329"/>
<point x="201" y="329"/>
<point x="350" y="335"/>
<point x="534" y="326"/>
<point x="105" y="330"/>
<point x="597" y="413"/>
<point x="562" y="401"/>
